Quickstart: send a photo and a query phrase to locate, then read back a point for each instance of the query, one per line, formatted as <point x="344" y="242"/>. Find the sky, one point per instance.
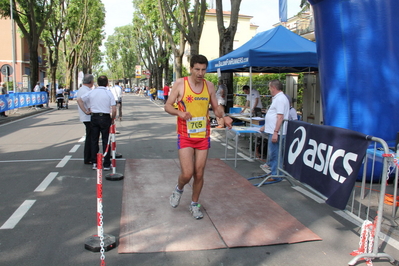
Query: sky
<point x="264" y="12"/>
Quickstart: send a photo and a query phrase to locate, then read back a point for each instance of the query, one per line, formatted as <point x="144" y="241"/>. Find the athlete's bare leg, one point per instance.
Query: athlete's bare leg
<point x="192" y="163"/>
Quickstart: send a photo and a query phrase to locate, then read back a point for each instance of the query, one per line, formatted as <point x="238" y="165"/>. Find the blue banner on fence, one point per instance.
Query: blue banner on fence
<point x="23" y="99"/>
<point x="326" y="158"/>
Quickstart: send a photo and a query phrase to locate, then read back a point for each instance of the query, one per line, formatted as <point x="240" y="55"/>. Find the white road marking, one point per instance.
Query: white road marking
<point x="82" y="139"/>
<point x="309" y="194"/>
<point x="74" y="149"/>
<point x="18" y="214"/>
<point x="244" y="157"/>
<point x="64" y="161"/>
<point x="46" y="182"/>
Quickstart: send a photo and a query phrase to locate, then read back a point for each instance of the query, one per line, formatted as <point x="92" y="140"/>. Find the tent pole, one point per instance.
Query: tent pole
<point x="250" y="113"/>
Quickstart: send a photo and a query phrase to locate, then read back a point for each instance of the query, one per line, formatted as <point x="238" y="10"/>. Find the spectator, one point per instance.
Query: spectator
<point x="117" y="92"/>
<point x="292" y="113"/>
<point x="102" y="107"/>
<point x="60" y="97"/>
<point x="221" y="96"/>
<point x="274" y="126"/>
<point x="165" y="92"/>
<point x="253" y="101"/>
<point x="3" y="92"/>
<point x="88" y="82"/>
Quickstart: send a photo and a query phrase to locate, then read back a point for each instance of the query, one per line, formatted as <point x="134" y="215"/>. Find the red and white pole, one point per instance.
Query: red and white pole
<point x="100" y="195"/>
<point x="100" y="242"/>
<point x="114" y="176"/>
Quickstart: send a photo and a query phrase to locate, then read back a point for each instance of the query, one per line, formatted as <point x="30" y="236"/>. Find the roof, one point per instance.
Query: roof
<point x="274" y="51"/>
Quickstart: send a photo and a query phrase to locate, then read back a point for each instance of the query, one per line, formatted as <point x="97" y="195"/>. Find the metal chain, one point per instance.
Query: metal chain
<point x="102" y="251"/>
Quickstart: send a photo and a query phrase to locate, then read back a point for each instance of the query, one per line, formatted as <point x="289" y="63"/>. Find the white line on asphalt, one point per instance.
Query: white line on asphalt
<point x="245" y="157"/>
<point x="228" y="147"/>
<point x="23" y="161"/>
<point x="50" y="177"/>
<point x="215" y="139"/>
<point x="18" y="215"/>
<point x="82" y="139"/>
<point x="64" y="161"/>
<point x="309" y="194"/>
<point x="74" y="149"/>
<point x="46" y="160"/>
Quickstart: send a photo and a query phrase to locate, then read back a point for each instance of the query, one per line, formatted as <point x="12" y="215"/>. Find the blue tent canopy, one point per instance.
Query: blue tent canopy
<point x="278" y="50"/>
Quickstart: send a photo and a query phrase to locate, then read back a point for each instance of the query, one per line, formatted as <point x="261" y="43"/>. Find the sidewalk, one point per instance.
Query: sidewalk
<point x="15" y="114"/>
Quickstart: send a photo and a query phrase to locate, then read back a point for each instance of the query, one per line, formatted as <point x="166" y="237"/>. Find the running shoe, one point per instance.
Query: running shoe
<point x="175" y="198"/>
<point x="107" y="168"/>
<point x="94" y="166"/>
<point x="196" y="211"/>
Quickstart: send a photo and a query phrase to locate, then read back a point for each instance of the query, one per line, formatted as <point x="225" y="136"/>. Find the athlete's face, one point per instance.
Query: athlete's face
<point x="198" y="72"/>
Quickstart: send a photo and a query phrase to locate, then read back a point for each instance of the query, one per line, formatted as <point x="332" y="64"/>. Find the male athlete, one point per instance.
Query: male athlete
<point x="193" y="95"/>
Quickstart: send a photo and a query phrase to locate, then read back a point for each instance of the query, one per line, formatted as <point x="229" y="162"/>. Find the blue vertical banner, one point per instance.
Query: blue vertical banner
<point x="283" y="10"/>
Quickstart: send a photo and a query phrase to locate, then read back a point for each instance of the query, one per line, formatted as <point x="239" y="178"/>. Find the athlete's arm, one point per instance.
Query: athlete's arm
<point x="175" y="94"/>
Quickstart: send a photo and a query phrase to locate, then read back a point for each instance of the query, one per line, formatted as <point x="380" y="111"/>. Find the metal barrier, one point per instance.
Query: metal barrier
<point x="359" y="204"/>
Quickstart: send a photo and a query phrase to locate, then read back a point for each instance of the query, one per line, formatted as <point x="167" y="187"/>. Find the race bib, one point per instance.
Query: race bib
<point x="196" y="124"/>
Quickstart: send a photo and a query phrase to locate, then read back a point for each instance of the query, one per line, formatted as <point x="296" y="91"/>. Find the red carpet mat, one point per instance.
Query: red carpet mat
<point x="236" y="213"/>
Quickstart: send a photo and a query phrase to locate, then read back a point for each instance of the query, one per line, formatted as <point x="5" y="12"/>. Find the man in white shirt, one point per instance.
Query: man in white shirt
<point x="88" y="82"/>
<point x="253" y="101"/>
<point x="292" y="113"/>
<point x="102" y="108"/>
<point x="37" y="87"/>
<point x="221" y="96"/>
<point x="274" y="126"/>
<point x="117" y="92"/>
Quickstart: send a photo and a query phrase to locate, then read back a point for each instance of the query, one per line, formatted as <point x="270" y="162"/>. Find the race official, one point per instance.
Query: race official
<point x="102" y="107"/>
<point x="88" y="82"/>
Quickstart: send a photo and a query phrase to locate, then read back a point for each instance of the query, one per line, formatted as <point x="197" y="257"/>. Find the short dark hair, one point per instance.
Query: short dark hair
<point x="277" y="84"/>
<point x="198" y="59"/>
<point x="102" y="81"/>
<point x="246" y="87"/>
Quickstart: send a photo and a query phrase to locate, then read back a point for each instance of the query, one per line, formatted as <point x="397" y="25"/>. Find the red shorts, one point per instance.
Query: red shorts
<point x="195" y="143"/>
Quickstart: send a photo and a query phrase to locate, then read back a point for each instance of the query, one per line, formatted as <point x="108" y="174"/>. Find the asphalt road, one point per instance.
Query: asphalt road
<point x="58" y="216"/>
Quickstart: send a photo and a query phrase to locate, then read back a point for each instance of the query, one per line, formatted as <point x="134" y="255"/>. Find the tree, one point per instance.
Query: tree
<point x="121" y="55"/>
<point x="175" y="37"/>
<point x="195" y="21"/>
<point x="85" y="22"/>
<point x="53" y="34"/>
<point x="151" y="39"/>
<point x="226" y="40"/>
<point x="31" y="17"/>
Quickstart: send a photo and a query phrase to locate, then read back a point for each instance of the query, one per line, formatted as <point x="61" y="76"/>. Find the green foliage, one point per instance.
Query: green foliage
<point x="259" y="82"/>
<point x="121" y="56"/>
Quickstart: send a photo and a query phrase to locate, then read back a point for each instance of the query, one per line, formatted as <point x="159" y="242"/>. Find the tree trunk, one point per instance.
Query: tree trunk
<point x="34" y="65"/>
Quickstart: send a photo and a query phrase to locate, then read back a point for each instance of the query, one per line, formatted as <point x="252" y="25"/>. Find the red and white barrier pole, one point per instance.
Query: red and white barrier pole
<point x="100" y="242"/>
<point x="114" y="176"/>
<point x="100" y="195"/>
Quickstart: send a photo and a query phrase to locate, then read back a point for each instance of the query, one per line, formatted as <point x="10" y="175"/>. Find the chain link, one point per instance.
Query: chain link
<point x="102" y="250"/>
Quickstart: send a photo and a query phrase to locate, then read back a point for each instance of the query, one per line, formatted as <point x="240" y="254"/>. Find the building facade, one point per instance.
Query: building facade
<point x="20" y="66"/>
<point x="209" y="43"/>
